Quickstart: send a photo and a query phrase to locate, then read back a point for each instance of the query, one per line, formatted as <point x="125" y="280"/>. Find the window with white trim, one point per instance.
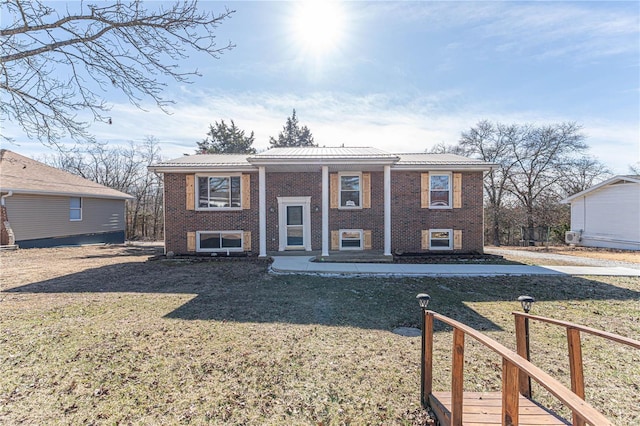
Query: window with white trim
<point x="218" y="192"/>
<point x="440" y="239"/>
<point x="211" y="241"/>
<point x="351" y="239"/>
<point x="350" y="190"/>
<point x="440" y="190"/>
<point x="75" y="209"/>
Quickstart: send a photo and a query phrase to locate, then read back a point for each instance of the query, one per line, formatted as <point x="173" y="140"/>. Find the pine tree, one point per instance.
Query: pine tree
<point x="293" y="135"/>
<point x="223" y="139"/>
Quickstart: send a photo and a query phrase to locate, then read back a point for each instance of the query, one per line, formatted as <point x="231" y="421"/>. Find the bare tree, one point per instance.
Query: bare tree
<point x="124" y="169"/>
<point x="580" y="174"/>
<point x="494" y="143"/>
<point x="57" y="63"/>
<point x="540" y="157"/>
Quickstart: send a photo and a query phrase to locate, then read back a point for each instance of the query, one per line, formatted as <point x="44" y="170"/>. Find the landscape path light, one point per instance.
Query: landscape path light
<point x="527" y="303"/>
<point x="423" y="300"/>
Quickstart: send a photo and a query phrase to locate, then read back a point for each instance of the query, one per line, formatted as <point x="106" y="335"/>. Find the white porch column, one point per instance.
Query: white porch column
<point x="387" y="210"/>
<point x="325" y="210"/>
<point x="262" y="210"/>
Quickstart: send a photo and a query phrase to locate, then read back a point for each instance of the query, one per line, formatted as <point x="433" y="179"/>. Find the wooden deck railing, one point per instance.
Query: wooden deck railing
<point x="512" y="366"/>
<point x="574" y="346"/>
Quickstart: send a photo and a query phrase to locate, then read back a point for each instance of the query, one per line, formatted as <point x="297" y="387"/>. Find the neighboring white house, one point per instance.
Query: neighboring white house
<point x="607" y="214"/>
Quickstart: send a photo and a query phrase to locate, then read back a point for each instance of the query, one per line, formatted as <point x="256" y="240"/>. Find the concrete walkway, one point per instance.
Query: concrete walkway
<point x="303" y="265"/>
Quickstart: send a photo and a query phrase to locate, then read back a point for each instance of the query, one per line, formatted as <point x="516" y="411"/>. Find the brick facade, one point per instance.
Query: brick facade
<point x="408" y="219"/>
<point x="179" y="220"/>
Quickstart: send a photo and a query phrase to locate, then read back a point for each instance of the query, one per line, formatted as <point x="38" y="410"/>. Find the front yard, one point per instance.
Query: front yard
<point x="98" y="335"/>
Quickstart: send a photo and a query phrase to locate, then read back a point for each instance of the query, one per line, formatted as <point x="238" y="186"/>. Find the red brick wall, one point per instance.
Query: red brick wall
<point x="179" y="220"/>
<point x="367" y="219"/>
<point x="293" y="185"/>
<point x="408" y="219"/>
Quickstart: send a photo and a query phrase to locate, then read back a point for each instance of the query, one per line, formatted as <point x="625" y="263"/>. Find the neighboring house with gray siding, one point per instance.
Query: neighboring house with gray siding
<point x="45" y="207"/>
<point x="607" y="214"/>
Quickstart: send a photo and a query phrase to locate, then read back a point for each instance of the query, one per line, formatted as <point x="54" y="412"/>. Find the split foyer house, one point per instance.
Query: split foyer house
<point x="45" y="207"/>
<point x="323" y="199"/>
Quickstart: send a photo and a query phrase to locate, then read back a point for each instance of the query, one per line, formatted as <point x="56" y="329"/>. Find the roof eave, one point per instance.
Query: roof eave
<point x="190" y="168"/>
<point x="598" y="186"/>
<point x="20" y="191"/>
<point x="425" y="167"/>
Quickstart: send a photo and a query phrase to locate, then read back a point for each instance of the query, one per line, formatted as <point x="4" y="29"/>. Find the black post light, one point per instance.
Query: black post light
<point x="527" y="303"/>
<point x="423" y="300"/>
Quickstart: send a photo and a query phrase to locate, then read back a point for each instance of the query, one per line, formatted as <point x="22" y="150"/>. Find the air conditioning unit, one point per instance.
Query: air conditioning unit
<point x="572" y="237"/>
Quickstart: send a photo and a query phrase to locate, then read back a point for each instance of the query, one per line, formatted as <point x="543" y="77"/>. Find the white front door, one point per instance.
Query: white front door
<point x="295" y="223"/>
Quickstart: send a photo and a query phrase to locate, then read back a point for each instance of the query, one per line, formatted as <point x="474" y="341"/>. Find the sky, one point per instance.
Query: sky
<point x="401" y="76"/>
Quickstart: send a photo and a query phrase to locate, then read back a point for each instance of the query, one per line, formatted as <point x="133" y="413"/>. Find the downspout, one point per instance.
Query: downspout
<point x="8" y="194"/>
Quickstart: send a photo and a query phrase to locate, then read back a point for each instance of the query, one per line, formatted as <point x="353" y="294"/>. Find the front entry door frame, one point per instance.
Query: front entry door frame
<point x="283" y="203"/>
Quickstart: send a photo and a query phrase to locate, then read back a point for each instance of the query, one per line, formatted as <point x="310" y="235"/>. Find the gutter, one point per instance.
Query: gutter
<point x="8" y="194"/>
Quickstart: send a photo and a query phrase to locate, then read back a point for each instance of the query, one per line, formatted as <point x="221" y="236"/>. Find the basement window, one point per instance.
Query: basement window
<point x="351" y="239"/>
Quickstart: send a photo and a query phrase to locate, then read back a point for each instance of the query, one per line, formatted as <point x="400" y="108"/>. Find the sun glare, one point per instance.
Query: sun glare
<point x="318" y="26"/>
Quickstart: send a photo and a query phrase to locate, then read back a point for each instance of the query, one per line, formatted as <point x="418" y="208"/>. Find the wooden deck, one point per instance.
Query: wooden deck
<point x="485" y="408"/>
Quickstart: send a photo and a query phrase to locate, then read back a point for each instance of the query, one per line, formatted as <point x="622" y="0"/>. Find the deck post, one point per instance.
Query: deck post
<point x="522" y="348"/>
<point x="510" y="396"/>
<point x="575" y="366"/>
<point x="426" y="377"/>
<point x="457" y="377"/>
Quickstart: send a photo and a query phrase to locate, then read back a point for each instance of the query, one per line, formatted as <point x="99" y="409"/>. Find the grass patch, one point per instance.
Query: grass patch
<point x="104" y="337"/>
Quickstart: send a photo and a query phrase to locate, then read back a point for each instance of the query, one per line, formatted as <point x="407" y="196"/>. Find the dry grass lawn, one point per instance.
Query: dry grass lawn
<point x="98" y="335"/>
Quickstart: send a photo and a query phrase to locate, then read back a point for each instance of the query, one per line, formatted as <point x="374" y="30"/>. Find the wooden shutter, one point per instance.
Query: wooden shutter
<point x="191" y="192"/>
<point x="457" y="190"/>
<point x="457" y="239"/>
<point x="245" y="189"/>
<point x="366" y="190"/>
<point x="191" y="241"/>
<point x="366" y="236"/>
<point x="335" y="240"/>
<point x="333" y="189"/>
<point x="425" y="239"/>
<point x="246" y="241"/>
<point x="424" y="191"/>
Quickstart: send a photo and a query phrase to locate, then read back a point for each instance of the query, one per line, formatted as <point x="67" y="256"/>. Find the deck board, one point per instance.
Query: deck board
<point x="485" y="408"/>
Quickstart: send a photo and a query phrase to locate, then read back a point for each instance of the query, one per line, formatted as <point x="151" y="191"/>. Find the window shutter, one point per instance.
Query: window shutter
<point x="457" y="190"/>
<point x="335" y="240"/>
<point x="425" y="239"/>
<point x="333" y="187"/>
<point x="246" y="241"/>
<point x="366" y="190"/>
<point x="424" y="191"/>
<point x="366" y="235"/>
<point x="191" y="241"/>
<point x="191" y="192"/>
<point x="245" y="188"/>
<point x="457" y="239"/>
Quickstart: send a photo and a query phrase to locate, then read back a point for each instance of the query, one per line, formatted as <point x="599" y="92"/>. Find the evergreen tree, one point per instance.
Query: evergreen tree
<point x="223" y="139"/>
<point x="293" y="135"/>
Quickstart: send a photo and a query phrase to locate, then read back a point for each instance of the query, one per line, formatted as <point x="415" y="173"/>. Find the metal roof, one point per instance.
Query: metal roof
<point x="323" y="153"/>
<point x="301" y="158"/>
<point x="22" y="175"/>
<point x="433" y="159"/>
